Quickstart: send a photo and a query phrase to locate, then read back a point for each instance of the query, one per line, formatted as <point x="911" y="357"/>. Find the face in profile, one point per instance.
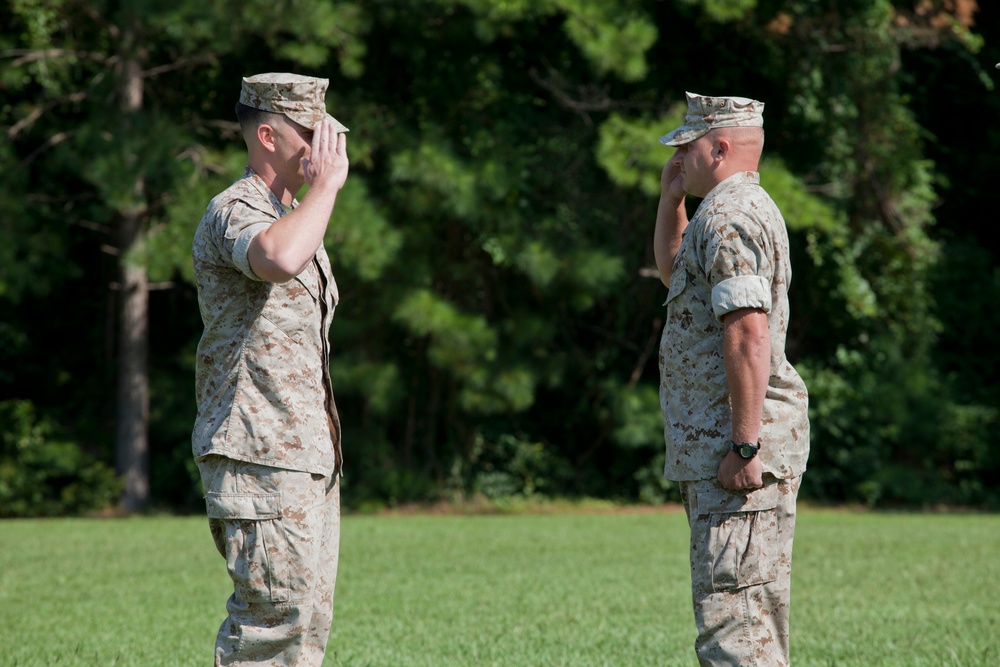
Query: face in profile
<point x="293" y="142"/>
<point x="696" y="165"/>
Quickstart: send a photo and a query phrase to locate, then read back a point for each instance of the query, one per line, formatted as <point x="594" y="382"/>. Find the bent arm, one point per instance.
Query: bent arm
<point x="671" y="220"/>
<point x="282" y="251"/>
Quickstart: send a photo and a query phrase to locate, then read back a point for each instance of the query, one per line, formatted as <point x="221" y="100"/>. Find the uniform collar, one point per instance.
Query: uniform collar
<point x="736" y="180"/>
<point x="258" y="184"/>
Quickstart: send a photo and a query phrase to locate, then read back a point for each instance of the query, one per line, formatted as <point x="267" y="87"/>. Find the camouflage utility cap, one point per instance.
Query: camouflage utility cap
<point x="708" y="113"/>
<point x="300" y="98"/>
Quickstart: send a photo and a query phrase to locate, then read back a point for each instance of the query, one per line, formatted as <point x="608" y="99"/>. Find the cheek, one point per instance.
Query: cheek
<point x="300" y="152"/>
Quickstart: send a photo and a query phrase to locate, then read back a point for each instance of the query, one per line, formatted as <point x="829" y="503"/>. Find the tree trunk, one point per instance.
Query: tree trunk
<point x="132" y="433"/>
<point x="132" y="439"/>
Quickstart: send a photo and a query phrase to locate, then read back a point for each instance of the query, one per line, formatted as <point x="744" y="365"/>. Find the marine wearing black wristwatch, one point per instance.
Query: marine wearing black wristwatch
<point x="746" y="450"/>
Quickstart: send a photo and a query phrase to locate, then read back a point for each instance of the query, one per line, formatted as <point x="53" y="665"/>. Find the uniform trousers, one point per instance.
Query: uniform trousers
<point x="279" y="532"/>
<point x="741" y="567"/>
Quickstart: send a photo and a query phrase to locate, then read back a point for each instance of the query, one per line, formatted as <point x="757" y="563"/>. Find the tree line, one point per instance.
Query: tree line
<point x="500" y="317"/>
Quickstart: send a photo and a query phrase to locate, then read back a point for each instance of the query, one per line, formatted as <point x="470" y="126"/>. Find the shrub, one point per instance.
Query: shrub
<point x="42" y="474"/>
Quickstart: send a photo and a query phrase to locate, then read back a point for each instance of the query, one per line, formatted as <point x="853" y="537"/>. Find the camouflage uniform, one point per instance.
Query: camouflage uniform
<point x="279" y="531"/>
<point x="741" y="570"/>
<point x="267" y="434"/>
<point x="734" y="255"/>
<point x="263" y="371"/>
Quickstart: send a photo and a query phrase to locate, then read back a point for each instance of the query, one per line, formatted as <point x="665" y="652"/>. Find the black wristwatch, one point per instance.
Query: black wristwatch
<point x="746" y="450"/>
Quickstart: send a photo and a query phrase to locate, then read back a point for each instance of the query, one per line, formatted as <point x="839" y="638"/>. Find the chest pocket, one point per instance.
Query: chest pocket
<point x="293" y="307"/>
<point x="690" y="321"/>
<point x="678" y="282"/>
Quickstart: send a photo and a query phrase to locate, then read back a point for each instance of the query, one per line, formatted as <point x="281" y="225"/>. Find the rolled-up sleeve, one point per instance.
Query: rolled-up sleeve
<point x="243" y="223"/>
<point x="242" y="246"/>
<point x="739" y="265"/>
<point x="741" y="292"/>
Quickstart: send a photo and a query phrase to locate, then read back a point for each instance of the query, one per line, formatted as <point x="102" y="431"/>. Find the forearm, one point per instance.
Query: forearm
<point x="747" y="355"/>
<point x="671" y="221"/>
<point x="280" y="252"/>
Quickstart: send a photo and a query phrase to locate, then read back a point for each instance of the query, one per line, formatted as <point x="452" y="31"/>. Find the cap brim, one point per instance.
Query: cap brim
<point x="684" y="134"/>
<point x="311" y="120"/>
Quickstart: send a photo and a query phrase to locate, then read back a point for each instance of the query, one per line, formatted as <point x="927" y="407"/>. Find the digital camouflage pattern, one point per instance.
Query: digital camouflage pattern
<point x="262" y="374"/>
<point x="707" y="113"/>
<point x="734" y="254"/>
<point x="300" y="98"/>
<point x="279" y="531"/>
<point x="741" y="566"/>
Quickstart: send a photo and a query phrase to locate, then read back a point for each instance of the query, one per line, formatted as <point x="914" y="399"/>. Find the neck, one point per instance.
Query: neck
<point x="283" y="188"/>
<point x="718" y="176"/>
<point x="723" y="174"/>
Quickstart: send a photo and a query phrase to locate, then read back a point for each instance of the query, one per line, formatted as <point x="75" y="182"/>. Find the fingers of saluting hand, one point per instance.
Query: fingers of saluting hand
<point x="327" y="160"/>
<point x="329" y="144"/>
<point x="321" y="140"/>
<point x="670" y="179"/>
<point x="342" y="144"/>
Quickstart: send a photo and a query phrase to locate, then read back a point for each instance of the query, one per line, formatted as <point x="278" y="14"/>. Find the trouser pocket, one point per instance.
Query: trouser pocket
<point x="249" y="531"/>
<point x="744" y="549"/>
<point x="737" y="535"/>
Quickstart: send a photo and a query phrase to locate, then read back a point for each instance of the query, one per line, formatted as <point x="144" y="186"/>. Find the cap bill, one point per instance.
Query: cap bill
<point x="310" y="119"/>
<point x="685" y="134"/>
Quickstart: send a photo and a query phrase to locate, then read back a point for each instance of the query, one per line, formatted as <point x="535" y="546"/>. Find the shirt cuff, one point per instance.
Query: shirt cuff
<point x="741" y="292"/>
<point x="242" y="246"/>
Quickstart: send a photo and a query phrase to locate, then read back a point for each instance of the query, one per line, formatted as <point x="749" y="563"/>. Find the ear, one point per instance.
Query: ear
<point x="266" y="137"/>
<point x="721" y="151"/>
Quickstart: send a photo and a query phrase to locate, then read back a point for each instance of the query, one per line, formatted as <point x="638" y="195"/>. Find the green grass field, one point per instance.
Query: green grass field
<point x="519" y="590"/>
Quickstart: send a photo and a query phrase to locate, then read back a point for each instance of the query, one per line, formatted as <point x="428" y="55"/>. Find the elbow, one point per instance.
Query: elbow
<point x="665" y="277"/>
<point x="272" y="275"/>
<point x="269" y="262"/>
<point x="278" y="270"/>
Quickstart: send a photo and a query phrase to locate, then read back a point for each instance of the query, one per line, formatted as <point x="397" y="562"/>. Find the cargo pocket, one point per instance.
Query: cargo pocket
<point x="255" y="544"/>
<point x="743" y="537"/>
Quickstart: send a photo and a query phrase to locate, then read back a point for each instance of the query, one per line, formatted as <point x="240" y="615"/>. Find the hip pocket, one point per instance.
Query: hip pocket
<point x="744" y="549"/>
<point x="250" y="532"/>
<point x="743" y="536"/>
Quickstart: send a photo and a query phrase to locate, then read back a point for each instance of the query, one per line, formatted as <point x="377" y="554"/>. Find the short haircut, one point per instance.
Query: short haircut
<point x="747" y="138"/>
<point x="251" y="118"/>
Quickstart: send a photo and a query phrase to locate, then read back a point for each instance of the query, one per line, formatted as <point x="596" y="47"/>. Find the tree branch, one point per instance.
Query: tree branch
<point x="39" y="111"/>
<point x="32" y="55"/>
<point x="178" y="64"/>
<point x="557" y="85"/>
<point x="54" y="140"/>
<point x="640" y="363"/>
<point x="87" y="8"/>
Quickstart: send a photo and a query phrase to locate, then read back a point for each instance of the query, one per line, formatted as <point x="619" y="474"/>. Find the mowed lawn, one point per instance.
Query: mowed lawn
<point x="573" y="589"/>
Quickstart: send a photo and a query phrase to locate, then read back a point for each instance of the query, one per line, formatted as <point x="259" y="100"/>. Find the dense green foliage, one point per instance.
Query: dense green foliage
<point x="438" y="591"/>
<point x="43" y="475"/>
<point x="498" y="326"/>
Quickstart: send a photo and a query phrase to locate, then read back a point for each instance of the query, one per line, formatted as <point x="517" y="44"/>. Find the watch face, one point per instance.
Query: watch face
<point x="747" y="451"/>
